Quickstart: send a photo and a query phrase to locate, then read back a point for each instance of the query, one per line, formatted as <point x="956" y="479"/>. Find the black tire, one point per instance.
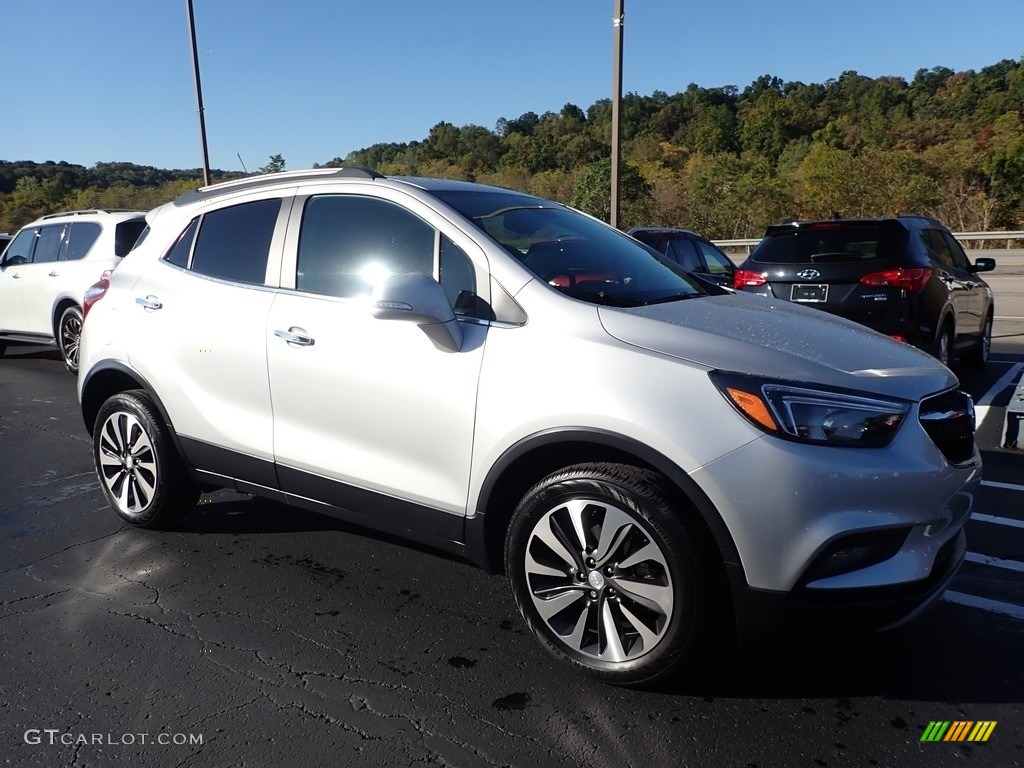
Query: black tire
<point x="648" y="611"/>
<point x="69" y="336"/>
<point x="139" y="470"/>
<point x="943" y="351"/>
<point x="978" y="356"/>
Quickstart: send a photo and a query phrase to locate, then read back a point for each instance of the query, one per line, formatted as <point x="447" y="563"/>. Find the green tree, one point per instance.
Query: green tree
<point x="276" y="165"/>
<point x="593" y="194"/>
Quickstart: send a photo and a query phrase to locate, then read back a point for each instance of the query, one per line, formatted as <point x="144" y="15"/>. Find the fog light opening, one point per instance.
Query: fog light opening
<point x="856" y="551"/>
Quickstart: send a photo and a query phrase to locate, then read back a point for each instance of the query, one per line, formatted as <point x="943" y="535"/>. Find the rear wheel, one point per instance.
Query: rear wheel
<point x="944" y="344"/>
<point x="140" y="472"/>
<point x="69" y="336"/>
<point x="978" y="356"/>
<point x="607" y="575"/>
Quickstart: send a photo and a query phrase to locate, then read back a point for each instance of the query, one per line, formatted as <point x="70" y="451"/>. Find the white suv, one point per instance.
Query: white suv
<point x="47" y="267"/>
<point x="649" y="459"/>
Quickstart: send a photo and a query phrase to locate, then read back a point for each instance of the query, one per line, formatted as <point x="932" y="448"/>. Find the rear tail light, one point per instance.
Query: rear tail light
<point x="95" y="292"/>
<point x="913" y="279"/>
<point x="743" y="279"/>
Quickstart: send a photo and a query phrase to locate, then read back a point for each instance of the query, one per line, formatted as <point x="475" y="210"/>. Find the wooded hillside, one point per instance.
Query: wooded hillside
<point x="723" y="161"/>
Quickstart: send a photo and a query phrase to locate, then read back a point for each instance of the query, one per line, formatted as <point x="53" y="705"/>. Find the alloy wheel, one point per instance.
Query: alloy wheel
<point x="127" y="463"/>
<point x="70" y="337"/>
<point x="599" y="581"/>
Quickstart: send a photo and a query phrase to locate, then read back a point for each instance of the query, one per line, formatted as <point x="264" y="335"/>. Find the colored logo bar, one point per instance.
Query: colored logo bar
<point x="959" y="730"/>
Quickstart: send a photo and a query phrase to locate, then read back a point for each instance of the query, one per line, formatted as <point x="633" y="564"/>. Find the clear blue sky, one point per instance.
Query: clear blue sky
<point x="111" y="80"/>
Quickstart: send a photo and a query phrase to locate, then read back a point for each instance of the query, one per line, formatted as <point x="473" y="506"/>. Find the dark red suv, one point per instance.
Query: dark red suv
<point x="906" y="277"/>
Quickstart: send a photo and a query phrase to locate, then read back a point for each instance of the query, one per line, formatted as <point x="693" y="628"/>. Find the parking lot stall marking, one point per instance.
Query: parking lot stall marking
<point x="1004" y="486"/>
<point x="995" y="562"/>
<point x="993" y="438"/>
<point x="994" y="606"/>
<point x="1009" y="521"/>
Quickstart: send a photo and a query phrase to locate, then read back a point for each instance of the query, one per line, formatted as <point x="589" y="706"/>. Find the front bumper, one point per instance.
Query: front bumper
<point x="765" y="617"/>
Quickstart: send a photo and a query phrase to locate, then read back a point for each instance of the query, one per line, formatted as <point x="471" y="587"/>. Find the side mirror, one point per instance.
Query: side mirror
<point x="984" y="264"/>
<point x="418" y="298"/>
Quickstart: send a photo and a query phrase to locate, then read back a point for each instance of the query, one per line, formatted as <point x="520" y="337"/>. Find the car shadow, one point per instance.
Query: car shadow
<point x="237" y="514"/>
<point x="951" y="653"/>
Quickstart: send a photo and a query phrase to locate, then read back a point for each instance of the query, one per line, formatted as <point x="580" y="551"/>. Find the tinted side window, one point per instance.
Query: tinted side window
<point x="50" y="243"/>
<point x="126" y="234"/>
<point x="717" y="262"/>
<point x="681" y="249"/>
<point x="178" y="255"/>
<point x="937" y="246"/>
<point x="21" y="247"/>
<point x="349" y="243"/>
<point x="234" y="243"/>
<point x="956" y="252"/>
<point x="458" y="279"/>
<point x="83" y="235"/>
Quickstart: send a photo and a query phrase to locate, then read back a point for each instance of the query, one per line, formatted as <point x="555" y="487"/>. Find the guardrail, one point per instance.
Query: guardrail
<point x="1009" y="237"/>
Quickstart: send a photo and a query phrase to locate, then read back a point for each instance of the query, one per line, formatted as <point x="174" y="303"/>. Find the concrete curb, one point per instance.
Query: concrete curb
<point x="995" y="421"/>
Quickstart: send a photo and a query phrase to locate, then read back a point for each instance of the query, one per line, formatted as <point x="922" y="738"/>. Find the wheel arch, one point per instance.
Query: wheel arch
<point x="534" y="457"/>
<point x="108" y="379"/>
<point x="59" y="307"/>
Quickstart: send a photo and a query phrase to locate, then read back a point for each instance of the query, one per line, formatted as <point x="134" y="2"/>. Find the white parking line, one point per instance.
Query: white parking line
<point x="995" y="606"/>
<point x="1008" y="521"/>
<point x="995" y="562"/>
<point x="1005" y="380"/>
<point x="1004" y="486"/>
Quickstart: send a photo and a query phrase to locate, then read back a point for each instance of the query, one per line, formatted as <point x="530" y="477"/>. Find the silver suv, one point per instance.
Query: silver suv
<point x="651" y="461"/>
<point x="47" y="267"/>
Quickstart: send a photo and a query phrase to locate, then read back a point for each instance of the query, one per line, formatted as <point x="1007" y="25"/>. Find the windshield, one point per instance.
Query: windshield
<point x="572" y="252"/>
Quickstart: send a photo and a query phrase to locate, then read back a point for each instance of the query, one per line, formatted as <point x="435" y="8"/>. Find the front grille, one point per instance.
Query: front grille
<point x="949" y="421"/>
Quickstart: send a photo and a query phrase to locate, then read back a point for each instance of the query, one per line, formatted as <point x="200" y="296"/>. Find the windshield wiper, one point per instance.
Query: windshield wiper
<point x="673" y="297"/>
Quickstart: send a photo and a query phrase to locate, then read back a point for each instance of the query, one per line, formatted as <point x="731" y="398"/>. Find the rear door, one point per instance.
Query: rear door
<point x="198" y="324"/>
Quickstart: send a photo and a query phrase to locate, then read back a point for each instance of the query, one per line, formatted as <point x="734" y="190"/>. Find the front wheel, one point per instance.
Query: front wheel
<point x="607" y="575"/>
<point x="140" y="473"/>
<point x="69" y="336"/>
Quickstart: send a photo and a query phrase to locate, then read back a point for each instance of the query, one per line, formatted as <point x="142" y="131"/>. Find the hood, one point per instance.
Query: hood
<point x="750" y="334"/>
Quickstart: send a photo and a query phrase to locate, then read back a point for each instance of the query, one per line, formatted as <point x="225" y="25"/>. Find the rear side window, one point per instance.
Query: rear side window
<point x="50" y="243"/>
<point x="234" y="243"/>
<point x="831" y="243"/>
<point x="178" y="255"/>
<point x="126" y="234"/>
<point x="84" y="235"/>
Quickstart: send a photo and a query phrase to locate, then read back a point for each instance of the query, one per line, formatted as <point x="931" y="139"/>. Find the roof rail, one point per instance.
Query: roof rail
<point x="88" y="211"/>
<point x="254" y="182"/>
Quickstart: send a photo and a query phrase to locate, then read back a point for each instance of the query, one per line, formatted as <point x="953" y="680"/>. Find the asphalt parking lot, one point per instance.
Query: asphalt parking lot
<point x="257" y="633"/>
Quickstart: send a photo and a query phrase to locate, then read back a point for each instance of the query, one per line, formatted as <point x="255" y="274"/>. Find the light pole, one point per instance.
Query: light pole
<point x="617" y="23"/>
<point x="199" y="92"/>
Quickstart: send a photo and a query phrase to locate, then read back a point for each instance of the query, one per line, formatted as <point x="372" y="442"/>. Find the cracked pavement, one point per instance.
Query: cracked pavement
<point x="278" y="634"/>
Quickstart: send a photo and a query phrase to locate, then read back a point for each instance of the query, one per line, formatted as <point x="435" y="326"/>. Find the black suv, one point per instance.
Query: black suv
<point x="906" y="277"/>
<point x="697" y="255"/>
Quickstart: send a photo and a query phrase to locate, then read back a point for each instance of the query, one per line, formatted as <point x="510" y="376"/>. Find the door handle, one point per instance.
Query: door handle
<point x="149" y="302"/>
<point x="54" y="273"/>
<point x="16" y="276"/>
<point x="294" y="338"/>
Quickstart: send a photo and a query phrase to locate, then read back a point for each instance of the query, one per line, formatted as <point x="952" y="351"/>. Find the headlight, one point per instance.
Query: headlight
<point x="812" y="414"/>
